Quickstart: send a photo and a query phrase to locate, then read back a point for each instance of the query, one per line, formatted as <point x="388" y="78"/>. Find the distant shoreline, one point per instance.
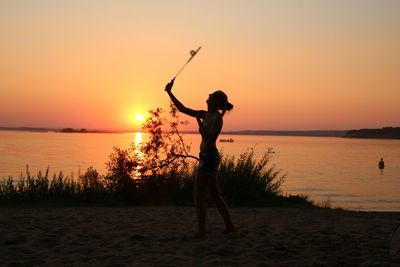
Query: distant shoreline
<point x="383" y="133"/>
<point x="56" y="130"/>
<point x="321" y="133"/>
<point x="317" y="133"/>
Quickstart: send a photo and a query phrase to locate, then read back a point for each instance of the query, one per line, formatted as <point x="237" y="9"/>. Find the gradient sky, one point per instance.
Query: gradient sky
<point x="285" y="65"/>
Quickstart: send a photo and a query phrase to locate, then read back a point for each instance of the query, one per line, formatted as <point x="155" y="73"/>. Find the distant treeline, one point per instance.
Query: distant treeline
<point x="322" y="133"/>
<point x="26" y="129"/>
<point x="71" y="130"/>
<point x="383" y="133"/>
<point x="63" y="130"/>
<point x="328" y="133"/>
<point x="83" y="130"/>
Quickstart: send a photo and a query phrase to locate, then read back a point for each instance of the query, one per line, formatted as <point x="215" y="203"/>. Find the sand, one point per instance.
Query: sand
<point x="162" y="236"/>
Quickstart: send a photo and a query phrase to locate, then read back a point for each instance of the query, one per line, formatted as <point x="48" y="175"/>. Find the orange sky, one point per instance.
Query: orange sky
<point x="285" y="65"/>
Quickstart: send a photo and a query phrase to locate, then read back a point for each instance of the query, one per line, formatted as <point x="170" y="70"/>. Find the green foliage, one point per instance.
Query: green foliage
<point x="244" y="181"/>
<point x="39" y="188"/>
<point x="247" y="181"/>
<point x="165" y="151"/>
<point x="119" y="179"/>
<point x="158" y="173"/>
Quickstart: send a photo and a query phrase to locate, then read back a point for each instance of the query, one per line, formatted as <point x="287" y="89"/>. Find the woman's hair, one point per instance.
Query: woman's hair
<point x="222" y="101"/>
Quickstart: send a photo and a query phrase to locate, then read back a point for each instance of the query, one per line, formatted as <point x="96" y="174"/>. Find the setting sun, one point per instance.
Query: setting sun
<point x="139" y="117"/>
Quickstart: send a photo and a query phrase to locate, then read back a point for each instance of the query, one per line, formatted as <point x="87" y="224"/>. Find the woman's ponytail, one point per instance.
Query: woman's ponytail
<point x="223" y="103"/>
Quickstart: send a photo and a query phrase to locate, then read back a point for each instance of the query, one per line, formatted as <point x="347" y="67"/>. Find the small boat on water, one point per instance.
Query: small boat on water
<point x="230" y="140"/>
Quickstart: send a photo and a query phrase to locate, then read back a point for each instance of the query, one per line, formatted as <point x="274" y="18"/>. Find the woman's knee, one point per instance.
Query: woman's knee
<point x="216" y="196"/>
<point x="199" y="195"/>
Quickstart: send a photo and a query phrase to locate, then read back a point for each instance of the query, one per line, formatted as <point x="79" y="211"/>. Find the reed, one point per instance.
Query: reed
<point x="159" y="173"/>
<point x="244" y="181"/>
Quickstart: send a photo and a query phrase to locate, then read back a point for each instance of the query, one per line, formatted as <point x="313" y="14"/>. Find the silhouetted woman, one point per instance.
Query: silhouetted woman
<point x="210" y="125"/>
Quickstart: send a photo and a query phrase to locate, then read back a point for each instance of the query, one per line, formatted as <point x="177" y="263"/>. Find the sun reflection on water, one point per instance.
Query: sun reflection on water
<point x="138" y="140"/>
<point x="138" y="152"/>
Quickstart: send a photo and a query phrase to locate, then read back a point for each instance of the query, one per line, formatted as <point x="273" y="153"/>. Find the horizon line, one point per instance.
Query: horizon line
<point x="133" y="130"/>
<point x="33" y="128"/>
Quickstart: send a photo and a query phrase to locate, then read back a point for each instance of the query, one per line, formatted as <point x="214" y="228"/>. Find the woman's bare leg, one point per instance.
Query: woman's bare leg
<point x="220" y="203"/>
<point x="199" y="201"/>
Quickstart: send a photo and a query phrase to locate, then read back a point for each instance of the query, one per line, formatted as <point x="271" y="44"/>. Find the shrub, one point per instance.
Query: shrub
<point x="163" y="176"/>
<point x="247" y="181"/>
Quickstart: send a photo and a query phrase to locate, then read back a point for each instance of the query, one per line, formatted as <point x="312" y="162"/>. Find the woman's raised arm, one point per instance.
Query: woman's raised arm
<point x="179" y="105"/>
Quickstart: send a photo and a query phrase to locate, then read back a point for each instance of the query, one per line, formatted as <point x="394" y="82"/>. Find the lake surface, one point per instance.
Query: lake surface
<point x="341" y="171"/>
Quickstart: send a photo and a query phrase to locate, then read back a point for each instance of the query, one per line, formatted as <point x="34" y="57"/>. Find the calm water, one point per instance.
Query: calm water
<point x="343" y="171"/>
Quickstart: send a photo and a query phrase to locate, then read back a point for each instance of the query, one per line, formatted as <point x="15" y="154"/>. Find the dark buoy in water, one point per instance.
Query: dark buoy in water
<point x="381" y="164"/>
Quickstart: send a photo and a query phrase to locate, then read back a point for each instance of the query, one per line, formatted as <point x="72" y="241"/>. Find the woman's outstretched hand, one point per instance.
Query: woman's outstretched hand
<point x="169" y="85"/>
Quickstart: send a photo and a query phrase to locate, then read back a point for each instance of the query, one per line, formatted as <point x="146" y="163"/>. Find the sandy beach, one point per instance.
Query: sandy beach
<point x="162" y="236"/>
